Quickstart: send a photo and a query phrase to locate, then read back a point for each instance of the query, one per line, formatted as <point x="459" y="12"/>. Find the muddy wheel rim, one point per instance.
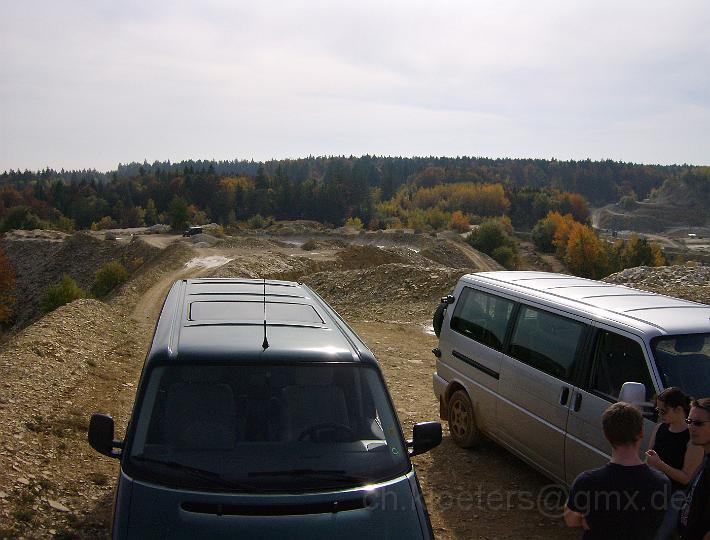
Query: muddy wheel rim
<point x="459" y="419"/>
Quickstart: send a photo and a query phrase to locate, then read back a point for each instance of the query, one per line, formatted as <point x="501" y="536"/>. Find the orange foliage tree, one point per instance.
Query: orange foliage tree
<point x="459" y="222"/>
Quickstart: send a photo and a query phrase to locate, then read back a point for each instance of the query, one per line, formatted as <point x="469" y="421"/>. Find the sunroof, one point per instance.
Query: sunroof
<point x="254" y="311"/>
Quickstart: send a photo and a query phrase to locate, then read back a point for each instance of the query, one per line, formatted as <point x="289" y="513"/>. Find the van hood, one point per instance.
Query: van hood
<point x="388" y="511"/>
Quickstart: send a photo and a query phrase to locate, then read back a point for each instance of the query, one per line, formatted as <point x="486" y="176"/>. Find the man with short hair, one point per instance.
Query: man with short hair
<point x="695" y="514"/>
<point x="624" y="499"/>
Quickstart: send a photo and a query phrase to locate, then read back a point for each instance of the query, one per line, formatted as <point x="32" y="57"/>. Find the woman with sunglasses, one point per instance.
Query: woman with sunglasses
<point x="672" y="453"/>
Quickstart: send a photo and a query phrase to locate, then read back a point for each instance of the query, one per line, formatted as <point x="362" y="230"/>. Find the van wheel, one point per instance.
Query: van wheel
<point x="462" y="424"/>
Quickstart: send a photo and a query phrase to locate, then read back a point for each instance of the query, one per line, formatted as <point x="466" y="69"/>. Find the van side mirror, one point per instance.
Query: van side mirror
<point x="633" y="392"/>
<point x="101" y="435"/>
<point x="425" y="436"/>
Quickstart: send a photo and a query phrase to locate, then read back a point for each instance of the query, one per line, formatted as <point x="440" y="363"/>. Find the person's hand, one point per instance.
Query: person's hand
<point x="653" y="460"/>
<point x="585" y="525"/>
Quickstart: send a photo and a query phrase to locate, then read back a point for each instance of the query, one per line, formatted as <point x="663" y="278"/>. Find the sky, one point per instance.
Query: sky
<point x="91" y="84"/>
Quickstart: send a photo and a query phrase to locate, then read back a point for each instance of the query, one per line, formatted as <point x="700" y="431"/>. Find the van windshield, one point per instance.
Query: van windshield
<point x="266" y="428"/>
<point x="684" y="361"/>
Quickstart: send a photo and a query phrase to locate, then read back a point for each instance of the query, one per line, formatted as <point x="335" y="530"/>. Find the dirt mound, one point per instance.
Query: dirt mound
<point x="387" y="292"/>
<point x="449" y="254"/>
<point x="296" y="227"/>
<point x="273" y="266"/>
<point x="248" y="242"/>
<point x="355" y="257"/>
<point x="690" y="281"/>
<point x="52" y="373"/>
<point x="203" y="238"/>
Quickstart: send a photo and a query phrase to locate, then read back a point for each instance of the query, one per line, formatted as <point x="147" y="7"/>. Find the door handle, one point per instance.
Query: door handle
<point x="564" y="395"/>
<point x="577" y="402"/>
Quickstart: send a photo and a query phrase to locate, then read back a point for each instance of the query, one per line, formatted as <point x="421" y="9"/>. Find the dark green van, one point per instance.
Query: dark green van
<point x="261" y="414"/>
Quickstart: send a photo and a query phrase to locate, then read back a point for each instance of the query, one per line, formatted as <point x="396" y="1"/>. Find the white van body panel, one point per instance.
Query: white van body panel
<point x="554" y="422"/>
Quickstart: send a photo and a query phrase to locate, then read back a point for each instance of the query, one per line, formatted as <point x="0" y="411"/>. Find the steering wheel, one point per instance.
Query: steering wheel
<point x="327" y="432"/>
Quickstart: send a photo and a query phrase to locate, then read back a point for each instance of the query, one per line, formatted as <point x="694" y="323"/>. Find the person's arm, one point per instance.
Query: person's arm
<point x="577" y="504"/>
<point x="574" y="519"/>
<point x="652" y="440"/>
<point x="692" y="460"/>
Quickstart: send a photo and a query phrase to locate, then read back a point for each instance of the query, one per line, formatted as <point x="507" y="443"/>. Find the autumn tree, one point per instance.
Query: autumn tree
<point x="459" y="222"/>
<point x="585" y="253"/>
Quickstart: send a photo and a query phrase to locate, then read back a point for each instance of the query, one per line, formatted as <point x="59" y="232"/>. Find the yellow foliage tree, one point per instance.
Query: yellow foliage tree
<point x="563" y="227"/>
<point x="585" y="254"/>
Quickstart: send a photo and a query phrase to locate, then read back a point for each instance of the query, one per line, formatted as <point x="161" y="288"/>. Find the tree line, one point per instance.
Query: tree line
<point x="421" y="192"/>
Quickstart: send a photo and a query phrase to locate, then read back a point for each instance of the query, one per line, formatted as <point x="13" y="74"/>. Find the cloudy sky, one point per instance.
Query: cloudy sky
<point x="90" y="84"/>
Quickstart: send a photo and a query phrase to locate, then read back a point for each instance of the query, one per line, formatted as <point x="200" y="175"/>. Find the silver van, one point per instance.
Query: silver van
<point x="532" y="359"/>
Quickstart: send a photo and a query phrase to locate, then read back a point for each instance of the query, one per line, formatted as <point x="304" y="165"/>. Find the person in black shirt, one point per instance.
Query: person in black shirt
<point x="695" y="514"/>
<point x="671" y="452"/>
<point x="624" y="499"/>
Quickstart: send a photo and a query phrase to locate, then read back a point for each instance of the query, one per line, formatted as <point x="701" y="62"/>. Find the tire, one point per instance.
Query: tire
<point x="462" y="423"/>
<point x="437" y="320"/>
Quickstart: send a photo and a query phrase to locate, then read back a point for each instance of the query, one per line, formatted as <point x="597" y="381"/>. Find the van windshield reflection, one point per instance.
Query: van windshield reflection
<point x="684" y="361"/>
<point x="266" y="428"/>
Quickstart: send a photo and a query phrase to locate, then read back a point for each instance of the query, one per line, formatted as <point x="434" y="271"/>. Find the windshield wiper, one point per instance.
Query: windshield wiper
<point x="329" y="473"/>
<point x="203" y="474"/>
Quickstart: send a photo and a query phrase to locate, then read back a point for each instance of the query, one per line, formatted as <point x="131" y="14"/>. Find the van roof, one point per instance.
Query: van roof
<point x="226" y="320"/>
<point x="648" y="312"/>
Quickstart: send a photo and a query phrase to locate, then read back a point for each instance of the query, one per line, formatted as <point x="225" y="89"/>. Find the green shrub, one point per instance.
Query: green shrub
<point x="543" y="234"/>
<point x="256" y="222"/>
<point x="491" y="234"/>
<point x="110" y="276"/>
<point x="506" y="256"/>
<point x="61" y="293"/>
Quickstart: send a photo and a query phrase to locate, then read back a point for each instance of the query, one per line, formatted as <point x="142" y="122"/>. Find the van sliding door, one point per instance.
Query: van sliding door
<point x="536" y="385"/>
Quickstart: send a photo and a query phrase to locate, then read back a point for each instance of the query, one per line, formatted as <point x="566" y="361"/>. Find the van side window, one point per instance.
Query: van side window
<point x="482" y="316"/>
<point x="546" y="341"/>
<point x="618" y="359"/>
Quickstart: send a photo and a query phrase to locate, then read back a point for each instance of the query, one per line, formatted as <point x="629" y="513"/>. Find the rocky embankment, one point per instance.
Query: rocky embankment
<point x="690" y="281"/>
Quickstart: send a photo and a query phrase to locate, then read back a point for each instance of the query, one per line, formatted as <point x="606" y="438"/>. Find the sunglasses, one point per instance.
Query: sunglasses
<point x="696" y="423"/>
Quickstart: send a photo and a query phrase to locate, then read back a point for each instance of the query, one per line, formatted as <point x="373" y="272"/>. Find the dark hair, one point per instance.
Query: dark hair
<point x="675" y="397"/>
<point x="622" y="424"/>
<point x="703" y="404"/>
